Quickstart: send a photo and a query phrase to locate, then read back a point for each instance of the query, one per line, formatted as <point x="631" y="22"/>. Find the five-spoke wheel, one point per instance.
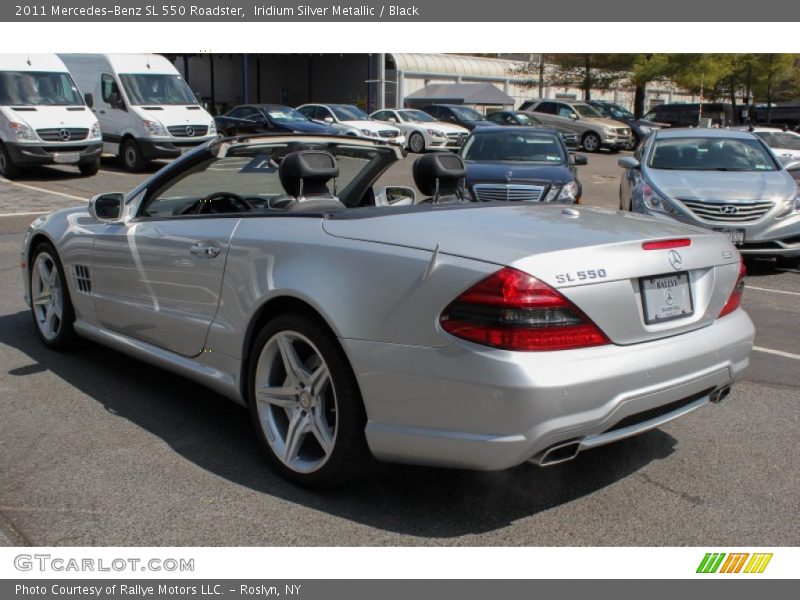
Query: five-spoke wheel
<point x="50" y="302"/>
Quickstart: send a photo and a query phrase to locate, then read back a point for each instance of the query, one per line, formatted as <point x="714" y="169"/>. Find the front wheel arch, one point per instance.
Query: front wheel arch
<point x="268" y="311"/>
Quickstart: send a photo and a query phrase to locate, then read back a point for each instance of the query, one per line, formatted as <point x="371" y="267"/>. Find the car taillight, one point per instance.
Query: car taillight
<point x="736" y="295"/>
<point x="512" y="310"/>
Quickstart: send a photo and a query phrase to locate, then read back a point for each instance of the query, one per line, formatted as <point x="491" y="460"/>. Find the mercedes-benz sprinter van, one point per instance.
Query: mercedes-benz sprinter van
<point x="146" y="109"/>
<point x="43" y="117"/>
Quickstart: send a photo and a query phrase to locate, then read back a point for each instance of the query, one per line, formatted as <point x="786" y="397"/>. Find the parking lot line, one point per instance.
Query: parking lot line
<point x="760" y="289"/>
<point x="38" y="189"/>
<point x="777" y="352"/>
<point x="25" y="214"/>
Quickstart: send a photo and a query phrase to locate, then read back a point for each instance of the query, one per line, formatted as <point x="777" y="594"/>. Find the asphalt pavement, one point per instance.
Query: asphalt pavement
<point x="100" y="449"/>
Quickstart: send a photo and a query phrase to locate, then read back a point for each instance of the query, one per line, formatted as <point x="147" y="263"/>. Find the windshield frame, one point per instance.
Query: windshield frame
<point x="134" y="100"/>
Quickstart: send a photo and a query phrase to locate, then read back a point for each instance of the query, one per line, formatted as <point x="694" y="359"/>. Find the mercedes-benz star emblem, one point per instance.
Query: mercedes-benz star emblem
<point x="675" y="260"/>
<point x="64" y="135"/>
<point x="189" y="131"/>
<point x="509" y="175"/>
<point x="728" y="209"/>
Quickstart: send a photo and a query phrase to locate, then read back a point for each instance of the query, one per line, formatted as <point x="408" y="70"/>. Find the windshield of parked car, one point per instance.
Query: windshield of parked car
<point x="346" y="112"/>
<point x="25" y="88"/>
<point x="465" y="113"/>
<point x="415" y="116"/>
<point x="524" y="119"/>
<point x="587" y="111"/>
<point x="152" y="88"/>
<point x="711" y="154"/>
<point x="285" y="114"/>
<point x="786" y="141"/>
<point x="516" y="146"/>
<point x="617" y="112"/>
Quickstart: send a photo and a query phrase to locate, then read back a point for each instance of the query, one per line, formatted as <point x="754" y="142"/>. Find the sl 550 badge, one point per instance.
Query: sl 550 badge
<point x="587" y="275"/>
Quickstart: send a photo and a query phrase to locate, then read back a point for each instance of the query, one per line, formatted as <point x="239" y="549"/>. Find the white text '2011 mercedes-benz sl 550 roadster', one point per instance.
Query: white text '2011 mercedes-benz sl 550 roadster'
<point x="398" y="324"/>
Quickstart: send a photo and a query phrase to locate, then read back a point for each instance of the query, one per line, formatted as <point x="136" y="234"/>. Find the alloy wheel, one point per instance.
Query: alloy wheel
<point x="296" y="402"/>
<point x="47" y="296"/>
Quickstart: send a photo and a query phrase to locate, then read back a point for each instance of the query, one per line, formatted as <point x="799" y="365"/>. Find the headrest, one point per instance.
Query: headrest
<point x="307" y="172"/>
<point x="448" y="169"/>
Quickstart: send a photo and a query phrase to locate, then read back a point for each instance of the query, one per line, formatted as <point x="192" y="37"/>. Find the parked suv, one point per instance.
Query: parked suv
<point x="640" y="128"/>
<point x="688" y="115"/>
<point x="594" y="130"/>
<point x="457" y="114"/>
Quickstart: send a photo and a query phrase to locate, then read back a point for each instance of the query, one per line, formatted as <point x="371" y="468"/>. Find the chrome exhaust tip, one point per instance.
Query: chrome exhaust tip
<point x="720" y="394"/>
<point x="557" y="454"/>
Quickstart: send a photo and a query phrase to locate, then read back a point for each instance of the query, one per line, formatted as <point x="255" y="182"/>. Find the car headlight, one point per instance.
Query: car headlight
<point x="155" y="129"/>
<point x="436" y="133"/>
<point x="793" y="209"/>
<point x="655" y="201"/>
<point x="212" y="128"/>
<point x="369" y="133"/>
<point x="569" y="192"/>
<point x="608" y="129"/>
<point x="95" y="132"/>
<point x="22" y="131"/>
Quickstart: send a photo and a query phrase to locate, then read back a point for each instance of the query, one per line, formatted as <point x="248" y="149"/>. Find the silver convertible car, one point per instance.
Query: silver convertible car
<point x="722" y="179"/>
<point x="358" y="323"/>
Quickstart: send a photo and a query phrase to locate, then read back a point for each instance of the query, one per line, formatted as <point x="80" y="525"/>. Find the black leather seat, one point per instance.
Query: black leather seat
<point x="304" y="176"/>
<point x="440" y="177"/>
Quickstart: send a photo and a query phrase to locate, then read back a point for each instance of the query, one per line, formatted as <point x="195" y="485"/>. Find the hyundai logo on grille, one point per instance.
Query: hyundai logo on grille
<point x="189" y="131"/>
<point x="64" y="135"/>
<point x="675" y="260"/>
<point x="728" y="209"/>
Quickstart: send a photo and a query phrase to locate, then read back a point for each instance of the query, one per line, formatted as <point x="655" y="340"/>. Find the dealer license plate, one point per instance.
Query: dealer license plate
<point x="66" y="157"/>
<point x="736" y="236"/>
<point x="666" y="297"/>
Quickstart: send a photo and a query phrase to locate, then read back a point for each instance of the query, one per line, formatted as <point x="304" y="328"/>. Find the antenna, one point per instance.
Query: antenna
<point x="28" y="60"/>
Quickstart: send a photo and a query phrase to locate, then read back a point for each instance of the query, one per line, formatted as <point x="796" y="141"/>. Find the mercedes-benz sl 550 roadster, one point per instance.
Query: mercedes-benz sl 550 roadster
<point x="399" y="324"/>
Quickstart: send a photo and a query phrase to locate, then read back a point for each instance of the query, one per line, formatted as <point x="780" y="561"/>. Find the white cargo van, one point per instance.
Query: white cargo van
<point x="43" y="117"/>
<point x="146" y="109"/>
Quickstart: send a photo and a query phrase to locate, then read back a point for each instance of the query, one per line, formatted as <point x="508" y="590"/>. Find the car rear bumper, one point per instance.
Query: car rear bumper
<point x="472" y="407"/>
<point x="28" y="155"/>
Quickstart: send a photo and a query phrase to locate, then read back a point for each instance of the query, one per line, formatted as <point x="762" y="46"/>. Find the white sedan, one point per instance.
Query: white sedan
<point x="422" y="131"/>
<point x="785" y="145"/>
<point x="351" y="120"/>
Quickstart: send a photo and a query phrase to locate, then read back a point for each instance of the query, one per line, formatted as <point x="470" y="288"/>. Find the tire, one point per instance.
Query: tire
<point x="634" y="143"/>
<point x="318" y="399"/>
<point x="591" y="142"/>
<point x="89" y="169"/>
<point x="416" y="143"/>
<point x="7" y="167"/>
<point x="131" y="156"/>
<point x="51" y="307"/>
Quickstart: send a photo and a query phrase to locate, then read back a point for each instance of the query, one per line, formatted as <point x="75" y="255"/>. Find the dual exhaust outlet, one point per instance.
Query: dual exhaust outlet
<point x="566" y="451"/>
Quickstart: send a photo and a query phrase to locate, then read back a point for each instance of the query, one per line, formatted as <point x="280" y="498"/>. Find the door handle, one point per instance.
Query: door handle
<point x="201" y="250"/>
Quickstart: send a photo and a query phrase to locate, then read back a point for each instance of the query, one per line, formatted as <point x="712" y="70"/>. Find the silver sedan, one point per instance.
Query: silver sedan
<point x="358" y="323"/>
<point x="724" y="180"/>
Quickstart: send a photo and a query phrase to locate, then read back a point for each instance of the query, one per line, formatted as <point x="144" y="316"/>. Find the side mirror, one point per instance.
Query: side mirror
<point x="395" y="195"/>
<point x="628" y="162"/>
<point x="89" y="99"/>
<point x="107" y="207"/>
<point x="392" y="120"/>
<point x="579" y="160"/>
<point x="115" y="101"/>
<point x="793" y="165"/>
<point x="573" y="116"/>
<point x="328" y="120"/>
